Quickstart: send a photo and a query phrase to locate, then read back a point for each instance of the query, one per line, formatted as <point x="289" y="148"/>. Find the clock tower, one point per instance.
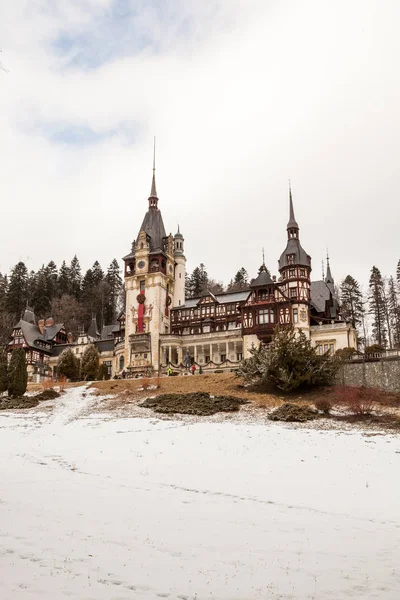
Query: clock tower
<point x="149" y="288"/>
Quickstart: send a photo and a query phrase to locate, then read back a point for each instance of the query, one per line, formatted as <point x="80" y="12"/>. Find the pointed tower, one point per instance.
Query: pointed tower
<point x="295" y="270"/>
<point x="329" y="277"/>
<point x="180" y="269"/>
<point x="149" y="285"/>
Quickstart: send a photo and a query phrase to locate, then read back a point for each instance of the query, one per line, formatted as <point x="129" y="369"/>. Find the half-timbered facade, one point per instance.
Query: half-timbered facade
<point x="160" y="328"/>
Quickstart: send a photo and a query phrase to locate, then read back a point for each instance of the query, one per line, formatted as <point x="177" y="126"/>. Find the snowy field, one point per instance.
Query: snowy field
<point x="94" y="506"/>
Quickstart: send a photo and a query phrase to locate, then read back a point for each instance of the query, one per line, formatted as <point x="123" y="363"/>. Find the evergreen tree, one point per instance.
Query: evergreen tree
<point x="52" y="279"/>
<point x="90" y="364"/>
<point x="398" y="276"/>
<point x="17" y="374"/>
<point x="3" y="371"/>
<point x="75" y="278"/>
<point x="40" y="298"/>
<point x="351" y="300"/>
<point x="198" y="281"/>
<point x="3" y="292"/>
<point x="68" y="365"/>
<point x="17" y="292"/>
<point x="114" y="281"/>
<point x="64" y="280"/>
<point x="239" y="282"/>
<point x="288" y="363"/>
<point x="394" y="312"/>
<point x="103" y="372"/>
<point x="377" y="306"/>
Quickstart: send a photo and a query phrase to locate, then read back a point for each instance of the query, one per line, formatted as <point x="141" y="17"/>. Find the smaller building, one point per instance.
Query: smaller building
<point x="38" y="338"/>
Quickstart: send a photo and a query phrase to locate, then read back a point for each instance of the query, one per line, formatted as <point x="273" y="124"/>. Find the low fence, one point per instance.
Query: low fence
<point x="381" y="371"/>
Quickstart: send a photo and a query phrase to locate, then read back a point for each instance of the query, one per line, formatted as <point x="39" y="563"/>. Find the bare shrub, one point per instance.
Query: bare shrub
<point x="324" y="405"/>
<point x="145" y="383"/>
<point x="359" y="401"/>
<point x="61" y="383"/>
<point x="47" y="384"/>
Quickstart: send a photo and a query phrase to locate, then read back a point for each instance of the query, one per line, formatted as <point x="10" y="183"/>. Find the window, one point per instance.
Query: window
<point x="295" y="315"/>
<point x="121" y="363"/>
<point x="293" y="292"/>
<point x="142" y="285"/>
<point x="179" y="302"/>
<point x="223" y="357"/>
<point x="180" y="275"/>
<point x="263" y="295"/>
<point x="271" y="316"/>
<point x="263" y="316"/>
<point x="332" y="348"/>
<point x="207" y="358"/>
<point x="302" y="272"/>
<point x="292" y="273"/>
<point x="239" y="356"/>
<point x="290" y="259"/>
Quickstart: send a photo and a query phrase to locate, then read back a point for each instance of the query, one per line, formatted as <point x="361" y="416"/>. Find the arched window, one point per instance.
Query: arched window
<point x="121" y="363"/>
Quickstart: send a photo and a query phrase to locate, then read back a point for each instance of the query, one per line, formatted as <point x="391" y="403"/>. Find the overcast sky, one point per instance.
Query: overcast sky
<point x="241" y="94"/>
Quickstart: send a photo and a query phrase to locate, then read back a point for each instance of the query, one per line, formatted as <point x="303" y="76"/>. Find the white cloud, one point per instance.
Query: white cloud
<point x="240" y="95"/>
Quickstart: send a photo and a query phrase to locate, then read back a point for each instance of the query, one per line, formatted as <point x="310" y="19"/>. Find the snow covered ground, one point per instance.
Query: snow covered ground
<point x="93" y="507"/>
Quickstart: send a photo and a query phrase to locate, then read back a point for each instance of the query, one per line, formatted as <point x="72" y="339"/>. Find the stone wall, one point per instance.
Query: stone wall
<point x="383" y="374"/>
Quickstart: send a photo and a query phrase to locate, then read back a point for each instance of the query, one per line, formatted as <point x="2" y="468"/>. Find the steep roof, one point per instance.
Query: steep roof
<point x="263" y="278"/>
<point x="153" y="225"/>
<point x="322" y="293"/>
<point x="293" y="246"/>
<point x="32" y="333"/>
<point x="92" y="331"/>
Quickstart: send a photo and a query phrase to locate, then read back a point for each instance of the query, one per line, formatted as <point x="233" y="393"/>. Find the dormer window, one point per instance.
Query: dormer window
<point x="290" y="259"/>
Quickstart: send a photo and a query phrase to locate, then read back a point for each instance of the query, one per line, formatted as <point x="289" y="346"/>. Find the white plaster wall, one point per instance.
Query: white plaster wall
<point x="179" y="288"/>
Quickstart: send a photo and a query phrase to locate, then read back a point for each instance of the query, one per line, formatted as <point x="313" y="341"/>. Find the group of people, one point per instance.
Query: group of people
<point x="192" y="370"/>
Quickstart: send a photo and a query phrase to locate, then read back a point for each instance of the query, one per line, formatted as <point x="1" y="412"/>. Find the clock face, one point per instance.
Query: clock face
<point x="141" y="264"/>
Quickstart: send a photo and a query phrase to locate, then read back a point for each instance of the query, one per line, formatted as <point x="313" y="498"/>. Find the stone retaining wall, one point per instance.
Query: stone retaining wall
<point x="383" y="374"/>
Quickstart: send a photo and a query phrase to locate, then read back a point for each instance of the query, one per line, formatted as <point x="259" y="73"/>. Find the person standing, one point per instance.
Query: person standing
<point x="193" y="369"/>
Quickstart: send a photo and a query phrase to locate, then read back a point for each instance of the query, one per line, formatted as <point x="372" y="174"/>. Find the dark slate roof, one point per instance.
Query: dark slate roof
<point x="29" y="316"/>
<point x="321" y="293"/>
<point x="294" y="247"/>
<point x="104" y="345"/>
<point x="153" y="225"/>
<point x="93" y="332"/>
<point x="220" y="298"/>
<point x="263" y="278"/>
<point x="107" y="332"/>
<point x="51" y="332"/>
<point x="292" y="223"/>
<point x="59" y="349"/>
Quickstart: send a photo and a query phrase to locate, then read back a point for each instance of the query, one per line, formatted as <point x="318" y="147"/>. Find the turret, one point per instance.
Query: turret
<point x="295" y="270"/>
<point x="180" y="269"/>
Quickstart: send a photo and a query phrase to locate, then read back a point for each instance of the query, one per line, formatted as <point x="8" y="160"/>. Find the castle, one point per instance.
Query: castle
<point x="159" y="328"/>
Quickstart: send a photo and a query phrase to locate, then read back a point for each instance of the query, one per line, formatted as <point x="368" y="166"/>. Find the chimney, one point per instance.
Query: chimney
<point x="69" y="337"/>
<point x="49" y="322"/>
<point x="274" y="278"/>
<point x="41" y="325"/>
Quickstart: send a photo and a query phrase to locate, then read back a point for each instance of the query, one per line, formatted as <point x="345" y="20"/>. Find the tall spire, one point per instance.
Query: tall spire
<point x="328" y="278"/>
<point x="153" y="199"/>
<point x="292" y="221"/>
